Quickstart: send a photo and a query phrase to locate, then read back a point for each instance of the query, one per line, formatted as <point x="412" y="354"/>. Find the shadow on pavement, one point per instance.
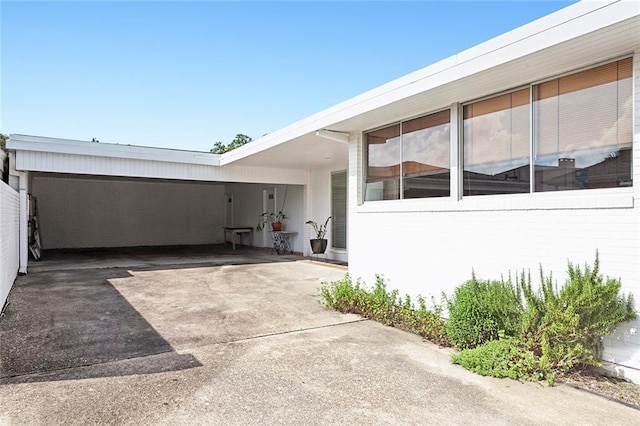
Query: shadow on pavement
<point x="64" y="325"/>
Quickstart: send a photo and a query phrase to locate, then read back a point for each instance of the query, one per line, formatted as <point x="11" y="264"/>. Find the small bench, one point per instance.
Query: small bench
<point x="234" y="231"/>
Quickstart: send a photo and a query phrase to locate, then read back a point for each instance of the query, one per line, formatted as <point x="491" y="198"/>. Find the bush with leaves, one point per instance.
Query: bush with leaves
<point x="385" y="306"/>
<point x="501" y="358"/>
<point x="566" y="327"/>
<point x="480" y="310"/>
<point x="559" y="329"/>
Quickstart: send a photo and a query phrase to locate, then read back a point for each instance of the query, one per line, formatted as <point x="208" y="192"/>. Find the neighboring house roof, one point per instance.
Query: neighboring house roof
<point x="409" y="169"/>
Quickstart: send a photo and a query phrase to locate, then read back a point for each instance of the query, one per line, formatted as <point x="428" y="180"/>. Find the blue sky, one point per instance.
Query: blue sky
<point x="187" y="74"/>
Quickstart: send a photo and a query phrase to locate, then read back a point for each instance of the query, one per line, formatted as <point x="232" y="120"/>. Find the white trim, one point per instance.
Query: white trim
<point x="99" y="149"/>
<point x="342" y="137"/>
<point x="560" y="200"/>
<point x="455" y="135"/>
<point x="24" y="237"/>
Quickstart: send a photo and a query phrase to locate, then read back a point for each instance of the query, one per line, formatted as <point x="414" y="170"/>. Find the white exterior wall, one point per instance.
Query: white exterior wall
<point x="248" y="208"/>
<point x="77" y="212"/>
<point x="55" y="162"/>
<point x="429" y="246"/>
<point x="9" y="239"/>
<point x="3" y="157"/>
<point x="319" y="209"/>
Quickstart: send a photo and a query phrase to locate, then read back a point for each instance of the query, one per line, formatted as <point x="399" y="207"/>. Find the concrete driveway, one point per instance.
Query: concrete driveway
<point x="237" y="338"/>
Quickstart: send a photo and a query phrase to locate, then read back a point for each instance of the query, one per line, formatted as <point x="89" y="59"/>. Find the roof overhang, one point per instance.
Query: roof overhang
<point x="110" y="150"/>
<point x="73" y="157"/>
<point x="580" y="35"/>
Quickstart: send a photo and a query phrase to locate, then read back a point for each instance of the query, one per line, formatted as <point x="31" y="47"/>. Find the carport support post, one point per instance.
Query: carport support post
<point x="19" y="181"/>
<point x="24" y="237"/>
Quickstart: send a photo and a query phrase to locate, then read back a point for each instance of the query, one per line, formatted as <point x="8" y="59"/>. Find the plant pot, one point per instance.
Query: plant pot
<point x="276" y="226"/>
<point x="318" y="246"/>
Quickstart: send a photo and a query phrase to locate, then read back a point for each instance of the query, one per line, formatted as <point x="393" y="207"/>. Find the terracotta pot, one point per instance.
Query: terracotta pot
<point x="276" y="226"/>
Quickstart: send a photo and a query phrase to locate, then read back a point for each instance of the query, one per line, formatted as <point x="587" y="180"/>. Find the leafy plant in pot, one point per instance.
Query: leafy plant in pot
<point x="275" y="219"/>
<point x="319" y="244"/>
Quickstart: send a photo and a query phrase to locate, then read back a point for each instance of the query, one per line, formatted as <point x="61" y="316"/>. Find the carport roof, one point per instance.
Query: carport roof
<point x="582" y="34"/>
<point x="77" y="147"/>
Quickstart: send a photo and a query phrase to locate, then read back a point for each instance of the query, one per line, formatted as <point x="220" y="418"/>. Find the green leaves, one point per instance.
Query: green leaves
<point x="557" y="329"/>
<point x="386" y="307"/>
<point x="505" y="328"/>
<point x="320" y="230"/>
<point x="238" y="141"/>
<point x="480" y="310"/>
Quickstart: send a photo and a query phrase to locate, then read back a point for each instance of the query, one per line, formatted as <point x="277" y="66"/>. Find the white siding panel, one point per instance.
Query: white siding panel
<point x="78" y="212"/>
<point x="129" y="167"/>
<point x="9" y="239"/>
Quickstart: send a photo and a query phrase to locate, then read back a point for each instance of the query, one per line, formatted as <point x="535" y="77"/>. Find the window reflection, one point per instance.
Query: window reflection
<point x="426" y="156"/>
<point x="496" y="145"/>
<point x="582" y="139"/>
<point x="582" y="126"/>
<point x="383" y="164"/>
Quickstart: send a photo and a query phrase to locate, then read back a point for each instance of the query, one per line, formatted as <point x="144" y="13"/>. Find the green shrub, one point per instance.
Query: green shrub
<point x="565" y="327"/>
<point x="501" y="358"/>
<point x="505" y="330"/>
<point x="341" y="295"/>
<point x="385" y="306"/>
<point x="558" y="330"/>
<point x="480" y="310"/>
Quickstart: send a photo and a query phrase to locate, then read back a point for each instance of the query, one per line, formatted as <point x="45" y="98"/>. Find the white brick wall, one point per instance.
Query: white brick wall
<point x="9" y="242"/>
<point x="433" y="251"/>
<point x="428" y="247"/>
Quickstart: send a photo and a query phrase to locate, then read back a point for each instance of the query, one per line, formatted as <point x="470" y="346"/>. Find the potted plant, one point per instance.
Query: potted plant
<point x="319" y="244"/>
<point x="275" y="219"/>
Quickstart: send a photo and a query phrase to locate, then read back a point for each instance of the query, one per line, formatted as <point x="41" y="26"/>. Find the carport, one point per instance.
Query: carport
<point x="97" y="195"/>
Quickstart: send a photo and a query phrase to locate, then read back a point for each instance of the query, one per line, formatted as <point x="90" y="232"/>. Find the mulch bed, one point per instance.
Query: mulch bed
<point x="596" y="381"/>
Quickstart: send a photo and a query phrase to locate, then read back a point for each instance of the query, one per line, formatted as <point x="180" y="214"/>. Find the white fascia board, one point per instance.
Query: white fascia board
<point x="100" y="149"/>
<point x="566" y="24"/>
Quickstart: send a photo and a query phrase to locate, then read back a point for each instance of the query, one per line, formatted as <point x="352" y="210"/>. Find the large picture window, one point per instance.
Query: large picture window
<point x="583" y="129"/>
<point x="383" y="164"/>
<point x="410" y="159"/>
<point x="573" y="132"/>
<point x="496" y="145"/>
<point x="425" y="156"/>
